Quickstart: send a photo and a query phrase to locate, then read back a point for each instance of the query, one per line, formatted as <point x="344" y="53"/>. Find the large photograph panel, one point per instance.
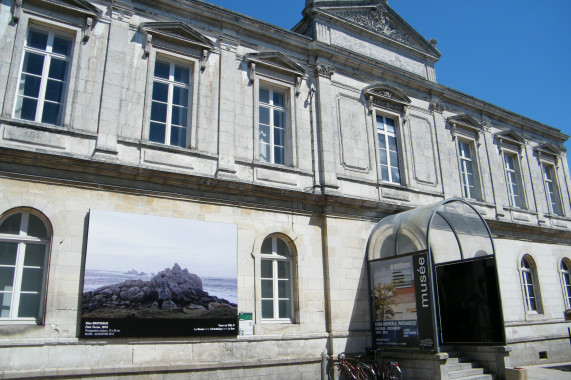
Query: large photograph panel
<point x="149" y="276"/>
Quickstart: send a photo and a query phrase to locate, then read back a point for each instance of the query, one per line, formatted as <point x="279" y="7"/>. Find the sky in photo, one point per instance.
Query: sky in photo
<point x="120" y="242"/>
<point x="515" y="54"/>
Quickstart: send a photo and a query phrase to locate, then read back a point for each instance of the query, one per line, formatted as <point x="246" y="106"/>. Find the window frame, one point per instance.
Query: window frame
<point x="272" y="125"/>
<point x="189" y="62"/>
<point x="552" y="197"/>
<point x="565" y="276"/>
<point x="288" y="91"/>
<point x="23" y="240"/>
<point x="530" y="281"/>
<point x="474" y="159"/>
<point x="517" y="172"/>
<point x="399" y="152"/>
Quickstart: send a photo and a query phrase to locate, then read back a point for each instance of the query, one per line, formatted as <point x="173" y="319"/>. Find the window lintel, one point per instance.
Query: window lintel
<point x="467" y="122"/>
<point x="386" y="96"/>
<point x="510" y="137"/>
<point x="547" y="152"/>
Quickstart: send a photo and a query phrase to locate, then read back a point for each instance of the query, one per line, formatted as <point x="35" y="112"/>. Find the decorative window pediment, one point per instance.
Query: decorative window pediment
<point x="177" y="32"/>
<point x="465" y="122"/>
<point x="547" y="151"/>
<point x="275" y="61"/>
<point x="386" y="96"/>
<point x="510" y="137"/>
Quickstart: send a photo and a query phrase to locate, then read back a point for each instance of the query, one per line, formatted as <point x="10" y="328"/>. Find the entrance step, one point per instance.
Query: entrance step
<point x="461" y="368"/>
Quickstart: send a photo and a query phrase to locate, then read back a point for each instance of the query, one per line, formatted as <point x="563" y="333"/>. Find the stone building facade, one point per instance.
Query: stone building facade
<point x="306" y="138"/>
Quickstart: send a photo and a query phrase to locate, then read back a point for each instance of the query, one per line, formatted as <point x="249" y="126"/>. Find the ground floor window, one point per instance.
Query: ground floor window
<point x="276" y="280"/>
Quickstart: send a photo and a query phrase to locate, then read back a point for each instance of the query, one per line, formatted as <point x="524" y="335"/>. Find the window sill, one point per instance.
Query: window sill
<point x="5" y="322"/>
<point x="45" y="127"/>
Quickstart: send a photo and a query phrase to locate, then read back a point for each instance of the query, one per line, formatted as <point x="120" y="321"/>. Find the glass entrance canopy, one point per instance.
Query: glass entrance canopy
<point x="452" y="230"/>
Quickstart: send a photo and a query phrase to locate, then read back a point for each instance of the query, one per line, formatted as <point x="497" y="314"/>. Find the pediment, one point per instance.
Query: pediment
<point x="465" y="121"/>
<point x="386" y="92"/>
<point x="177" y="31"/>
<point x="510" y="137"/>
<point x="275" y="61"/>
<point x="76" y="6"/>
<point x="547" y="150"/>
<point x="380" y="19"/>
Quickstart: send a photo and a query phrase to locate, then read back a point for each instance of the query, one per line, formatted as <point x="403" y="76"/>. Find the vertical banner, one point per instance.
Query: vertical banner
<point x="401" y="302"/>
<point x="149" y="276"/>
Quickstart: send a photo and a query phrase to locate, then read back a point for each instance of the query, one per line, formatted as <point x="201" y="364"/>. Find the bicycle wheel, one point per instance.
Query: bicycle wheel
<point x="337" y="372"/>
<point x="366" y="373"/>
<point x="394" y="373"/>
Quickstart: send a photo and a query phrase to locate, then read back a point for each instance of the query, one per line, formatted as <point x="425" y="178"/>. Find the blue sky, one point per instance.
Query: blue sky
<point x="515" y="54"/>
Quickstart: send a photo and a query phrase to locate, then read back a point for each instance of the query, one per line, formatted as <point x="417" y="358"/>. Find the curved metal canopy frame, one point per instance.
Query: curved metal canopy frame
<point x="451" y="230"/>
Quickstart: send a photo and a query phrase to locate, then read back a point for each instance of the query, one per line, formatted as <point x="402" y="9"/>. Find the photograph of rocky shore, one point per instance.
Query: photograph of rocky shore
<point x="155" y="276"/>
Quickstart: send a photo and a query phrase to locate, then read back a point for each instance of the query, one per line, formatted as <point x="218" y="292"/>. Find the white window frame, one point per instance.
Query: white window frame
<point x="565" y="274"/>
<point x="274" y="258"/>
<point x="192" y="63"/>
<point x="552" y="189"/>
<point x="22" y="240"/>
<point x="465" y="189"/>
<point x="386" y="135"/>
<point x="49" y="55"/>
<point x="530" y="285"/>
<point x="515" y="191"/>
<point x="272" y="124"/>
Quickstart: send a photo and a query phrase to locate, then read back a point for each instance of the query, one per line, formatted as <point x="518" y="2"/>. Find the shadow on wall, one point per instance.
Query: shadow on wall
<point x="360" y="336"/>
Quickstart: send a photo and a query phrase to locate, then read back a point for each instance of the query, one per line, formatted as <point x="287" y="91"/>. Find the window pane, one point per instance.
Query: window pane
<point x="35" y="254"/>
<point x="267" y="246"/>
<point x="61" y="46"/>
<point x="284" y="289"/>
<point x="30" y="85"/>
<point x="282" y="248"/>
<point x="383" y="157"/>
<point x="50" y="114"/>
<point x="159" y="112"/>
<point x="265" y="152"/>
<point x="278" y="118"/>
<point x="267" y="309"/>
<point x="264" y="134"/>
<point x="5" y="300"/>
<point x="6" y="279"/>
<point x="285" y="309"/>
<point x="267" y="288"/>
<point x="54" y="91"/>
<point x="278" y="137"/>
<point x="264" y="96"/>
<point x="180" y="96"/>
<point x="37" y="39"/>
<point x="394" y="159"/>
<point x="385" y="173"/>
<point x="160" y="92"/>
<point x="32" y="279"/>
<point x="162" y="70"/>
<point x="181" y="74"/>
<point x="278" y="99"/>
<point x="11" y="225"/>
<point x="29" y="306"/>
<point x="33" y="63"/>
<point x="392" y="143"/>
<point x="382" y="142"/>
<point x="58" y="69"/>
<point x="36" y="227"/>
<point x="178" y="136"/>
<point x="157" y="133"/>
<point x="178" y="116"/>
<point x="390" y="123"/>
<point x="380" y="123"/>
<point x="8" y="253"/>
<point x="395" y="175"/>
<point x="279" y="155"/>
<point x="264" y="115"/>
<point x="26" y="108"/>
<point x="266" y="268"/>
<point x="284" y="269"/>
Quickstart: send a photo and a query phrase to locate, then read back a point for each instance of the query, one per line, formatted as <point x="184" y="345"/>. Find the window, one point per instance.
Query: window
<point x="169" y="107"/>
<point x="513" y="180"/>
<point x="566" y="282"/>
<point x="276" y="280"/>
<point x="527" y="269"/>
<point x="551" y="189"/>
<point x="388" y="150"/>
<point x="467" y="169"/>
<point x="43" y="77"/>
<point x="24" y="244"/>
<point x="272" y="125"/>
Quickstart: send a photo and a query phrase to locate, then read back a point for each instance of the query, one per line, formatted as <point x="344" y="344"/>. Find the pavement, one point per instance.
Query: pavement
<point x="553" y="371"/>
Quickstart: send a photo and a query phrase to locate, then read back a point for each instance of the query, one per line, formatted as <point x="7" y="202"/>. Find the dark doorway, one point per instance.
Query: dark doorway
<point x="468" y="302"/>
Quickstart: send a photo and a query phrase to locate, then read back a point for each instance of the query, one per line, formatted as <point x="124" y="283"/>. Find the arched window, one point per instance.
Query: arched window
<point x="24" y="245"/>
<point x="566" y="282"/>
<point x="528" y="280"/>
<point x="276" y="280"/>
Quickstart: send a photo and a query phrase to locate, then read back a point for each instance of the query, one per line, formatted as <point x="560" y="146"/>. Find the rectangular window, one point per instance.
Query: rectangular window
<point x="551" y="189"/>
<point x="388" y="150"/>
<point x="467" y="170"/>
<point x="169" y="107"/>
<point x="272" y="129"/>
<point x="513" y="180"/>
<point x="43" y="77"/>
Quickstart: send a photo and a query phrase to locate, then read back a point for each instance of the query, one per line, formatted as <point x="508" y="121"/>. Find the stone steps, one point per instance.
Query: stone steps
<point x="461" y="368"/>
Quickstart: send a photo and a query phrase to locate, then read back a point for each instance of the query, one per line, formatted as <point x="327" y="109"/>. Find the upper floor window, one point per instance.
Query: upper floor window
<point x="468" y="175"/>
<point x="566" y="282"/>
<point x="272" y="127"/>
<point x="24" y="245"/>
<point x="513" y="180"/>
<point x="169" y="107"/>
<point x="388" y="149"/>
<point x="551" y="189"/>
<point x="276" y="280"/>
<point x="528" y="281"/>
<point x="43" y="77"/>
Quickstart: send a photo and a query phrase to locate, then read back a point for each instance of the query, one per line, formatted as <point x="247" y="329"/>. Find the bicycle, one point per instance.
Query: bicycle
<point x="389" y="369"/>
<point x="350" y="369"/>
